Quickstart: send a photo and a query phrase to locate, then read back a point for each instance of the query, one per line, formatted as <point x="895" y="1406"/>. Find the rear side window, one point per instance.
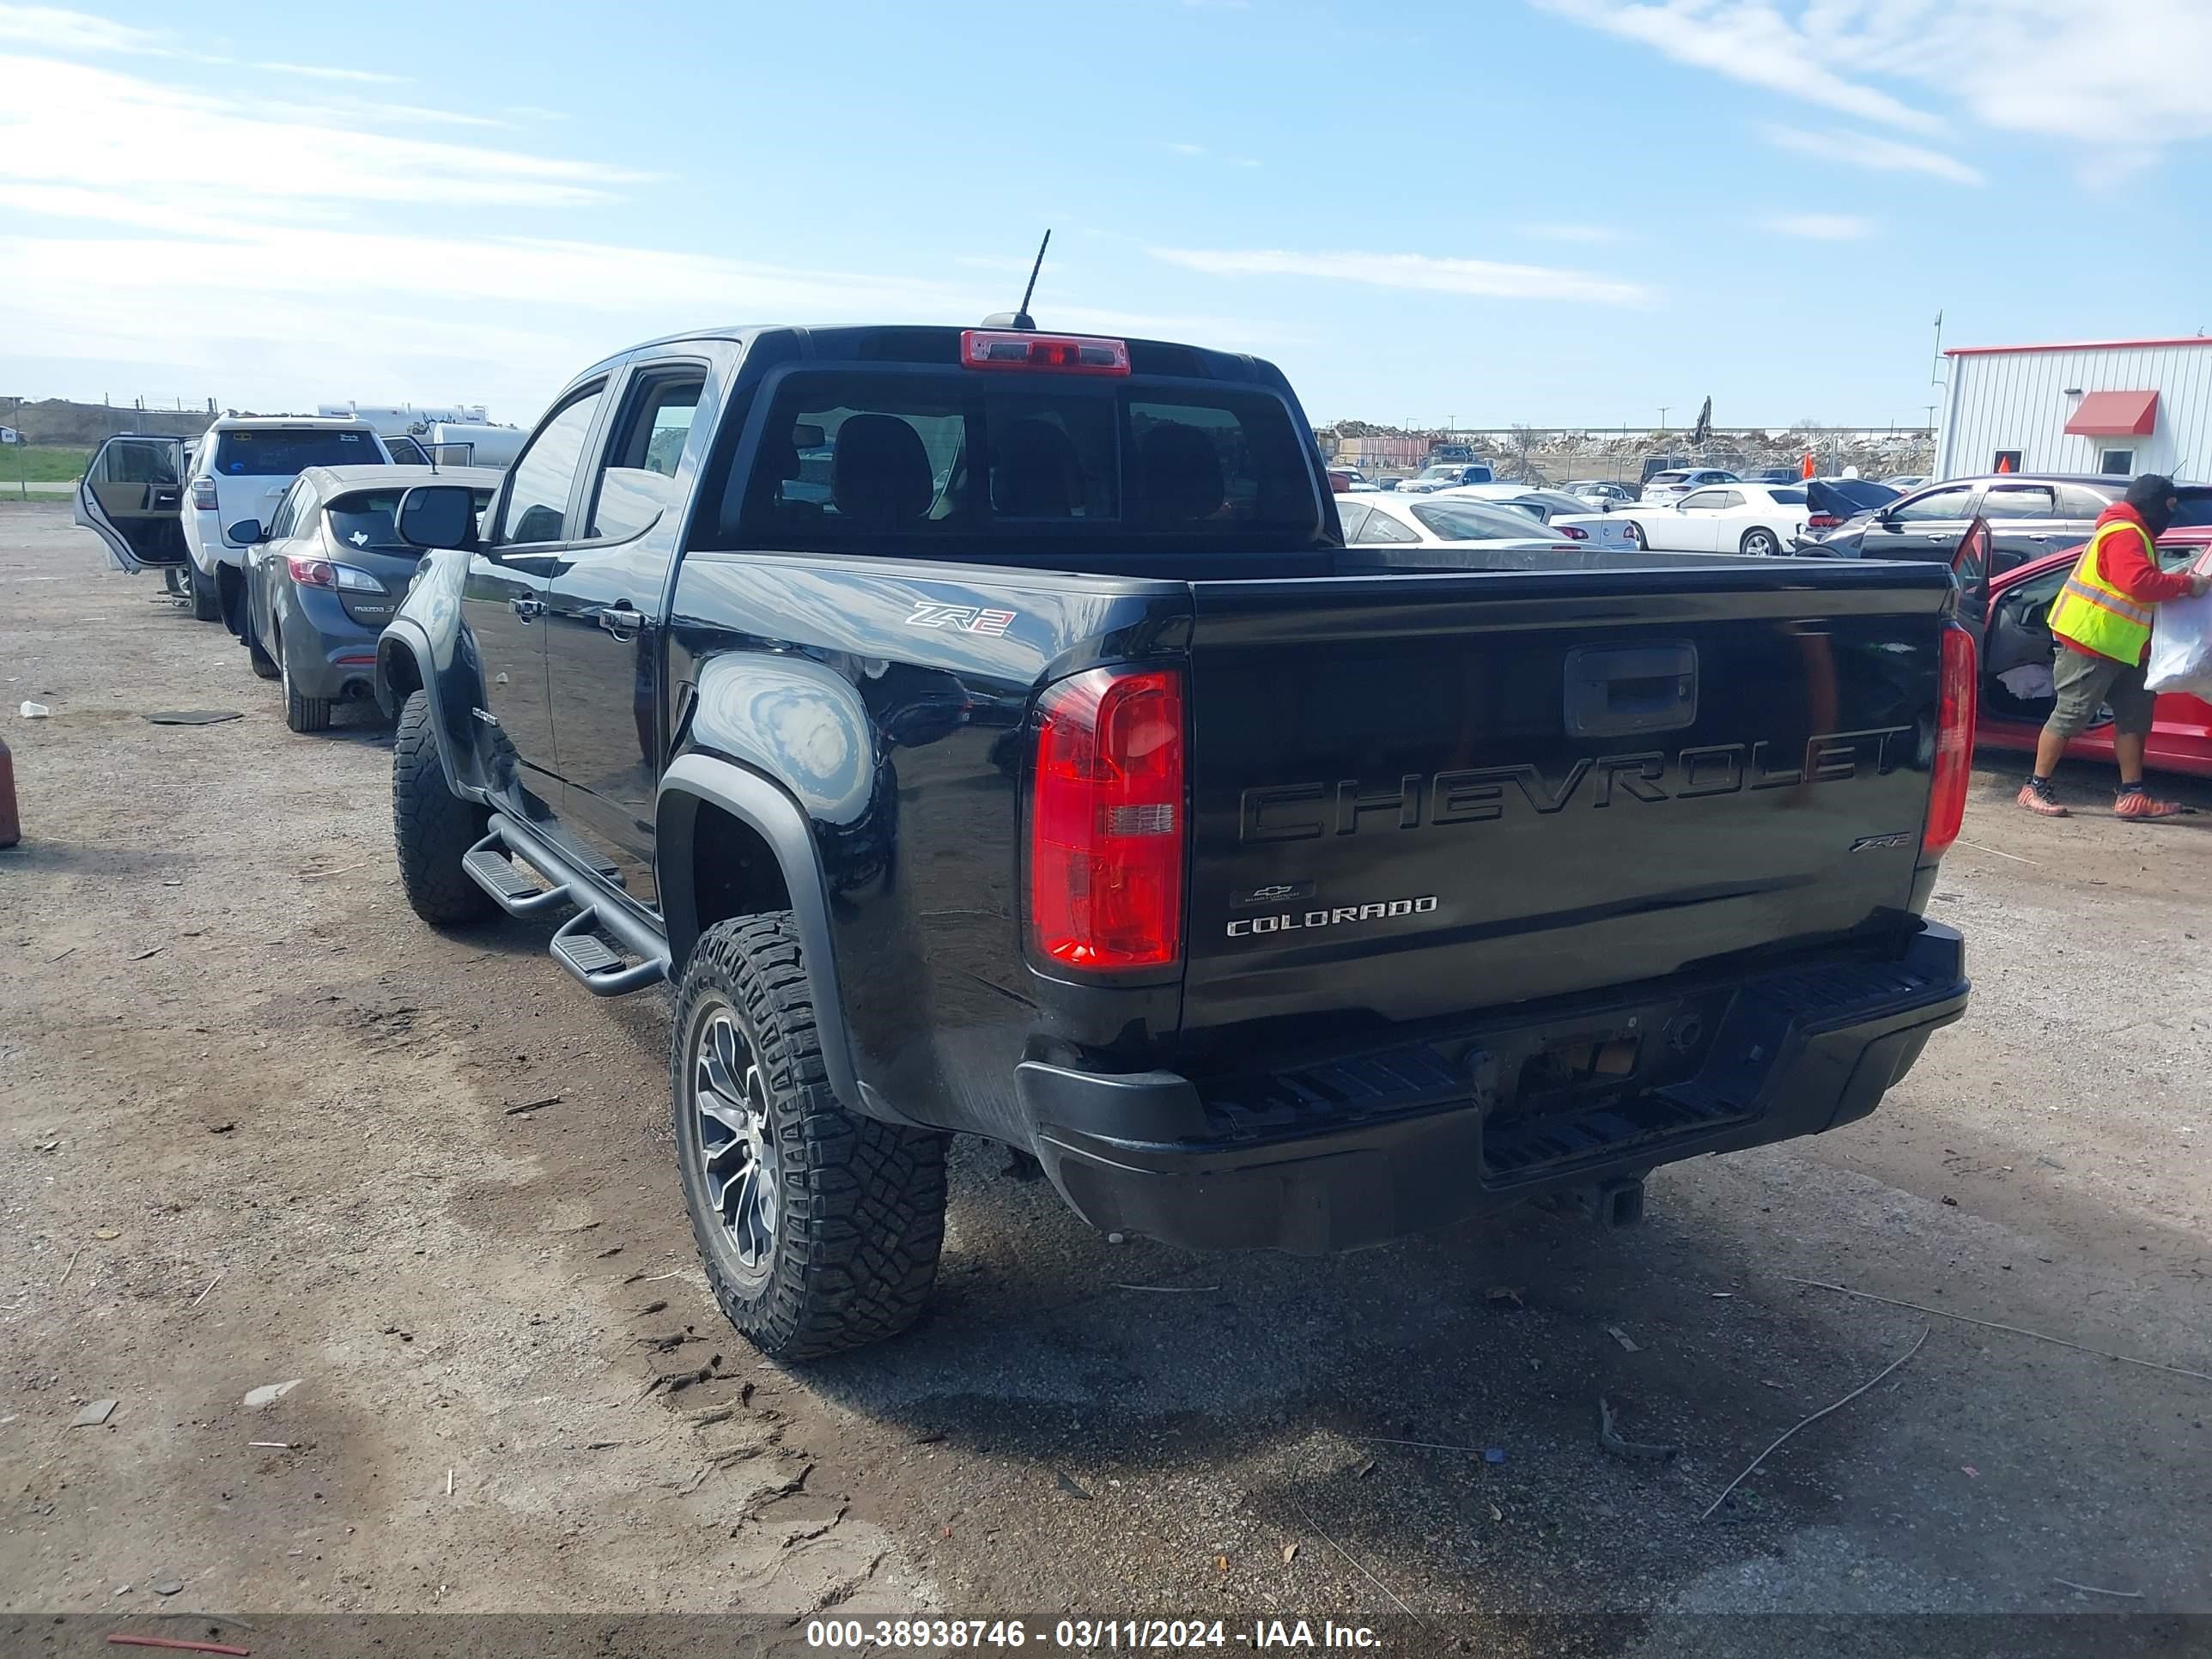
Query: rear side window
<point x="638" y="483"/>
<point x="887" y="462"/>
<point x="1476" y="521"/>
<point x="365" y="519"/>
<point x="2019" y="502"/>
<point x="1787" y="497"/>
<point x="278" y="453"/>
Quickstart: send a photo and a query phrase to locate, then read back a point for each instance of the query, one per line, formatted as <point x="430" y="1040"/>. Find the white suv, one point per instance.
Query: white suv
<point x="243" y="467"/>
<point x="1665" y="489"/>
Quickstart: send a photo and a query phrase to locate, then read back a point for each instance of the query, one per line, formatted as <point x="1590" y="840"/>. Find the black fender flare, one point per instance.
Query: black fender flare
<point x="403" y="634"/>
<point x="763" y="807"/>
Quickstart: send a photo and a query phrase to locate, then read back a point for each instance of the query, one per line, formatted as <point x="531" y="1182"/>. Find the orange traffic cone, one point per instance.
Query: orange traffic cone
<point x="1806" y="470"/>
<point x="2004" y="463"/>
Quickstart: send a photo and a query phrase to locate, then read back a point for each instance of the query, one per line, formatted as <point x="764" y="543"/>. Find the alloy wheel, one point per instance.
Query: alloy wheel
<point x="737" y="1151"/>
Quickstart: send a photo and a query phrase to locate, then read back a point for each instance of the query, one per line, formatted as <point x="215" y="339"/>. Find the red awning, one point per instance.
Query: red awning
<point x="2116" y="415"/>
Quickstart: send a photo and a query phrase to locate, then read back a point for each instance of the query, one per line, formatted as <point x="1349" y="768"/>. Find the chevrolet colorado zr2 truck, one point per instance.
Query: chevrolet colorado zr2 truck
<point x="989" y="731"/>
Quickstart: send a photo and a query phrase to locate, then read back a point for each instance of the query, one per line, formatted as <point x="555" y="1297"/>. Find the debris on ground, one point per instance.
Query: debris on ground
<point x="1817" y="1415"/>
<point x="1290" y="1554"/>
<point x="1070" y="1488"/>
<point x="108" y="1234"/>
<point x="194" y="716"/>
<point x="1622" y="1337"/>
<point x="93" y="1414"/>
<point x="2092" y="1589"/>
<point x="270" y="1393"/>
<point x="1611" y="1439"/>
<point x="1493" y="1453"/>
<point x="118" y="1640"/>
<point x="34" y="711"/>
<point x="1507" y="1295"/>
<point x="532" y="1105"/>
<point x="166" y="1586"/>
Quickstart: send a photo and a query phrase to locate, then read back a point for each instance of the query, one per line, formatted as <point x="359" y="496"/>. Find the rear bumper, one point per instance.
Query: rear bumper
<point x="328" y="653"/>
<point x="1343" y="1152"/>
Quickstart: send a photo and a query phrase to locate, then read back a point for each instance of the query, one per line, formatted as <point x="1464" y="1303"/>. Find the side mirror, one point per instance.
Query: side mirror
<point x="437" y="515"/>
<point x="245" y="533"/>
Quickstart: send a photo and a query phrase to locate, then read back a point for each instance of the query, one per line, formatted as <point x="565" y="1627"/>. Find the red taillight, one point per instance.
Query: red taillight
<point x="1955" y="743"/>
<point x="204" y="495"/>
<point x="1570" y="532"/>
<point x="312" y="572"/>
<point x="1822" y="521"/>
<point x="1054" y="354"/>
<point x="1106" y="821"/>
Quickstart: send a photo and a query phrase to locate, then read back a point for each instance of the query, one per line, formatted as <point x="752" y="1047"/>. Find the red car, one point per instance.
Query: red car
<point x="2016" y="694"/>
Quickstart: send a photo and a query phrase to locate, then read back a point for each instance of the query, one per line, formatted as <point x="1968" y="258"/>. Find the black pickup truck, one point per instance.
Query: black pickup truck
<point x="987" y="731"/>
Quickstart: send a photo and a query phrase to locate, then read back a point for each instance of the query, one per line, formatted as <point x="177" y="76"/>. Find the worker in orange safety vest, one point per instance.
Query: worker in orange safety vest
<point x="2101" y="619"/>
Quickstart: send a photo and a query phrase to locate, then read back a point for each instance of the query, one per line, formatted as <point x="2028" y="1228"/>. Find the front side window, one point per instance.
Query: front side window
<point x="637" y="483"/>
<point x="1936" y="504"/>
<point x="545" y="474"/>
<point x="855" y="458"/>
<point x="129" y="461"/>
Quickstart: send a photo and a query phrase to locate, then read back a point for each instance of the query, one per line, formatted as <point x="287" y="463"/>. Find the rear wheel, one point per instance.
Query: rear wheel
<point x="302" y="714"/>
<point x="431" y="828"/>
<point x="1760" y="541"/>
<point x="819" y="1230"/>
<point x="207" y="603"/>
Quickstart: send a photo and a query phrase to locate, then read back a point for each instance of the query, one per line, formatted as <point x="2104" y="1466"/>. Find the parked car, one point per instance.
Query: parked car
<point x="245" y="464"/>
<point x="325" y="574"/>
<point x="1678" y="482"/>
<point x="1069" y="803"/>
<point x="1445" y="521"/>
<point x="1733" y="517"/>
<point x="1446" y="475"/>
<point x="2009" y="614"/>
<point x="1773" y="474"/>
<point x="1902" y="482"/>
<point x="1348" y="481"/>
<point x="1562" y="515"/>
<point x="1831" y="503"/>
<point x="1599" y="490"/>
<point x="2028" y="514"/>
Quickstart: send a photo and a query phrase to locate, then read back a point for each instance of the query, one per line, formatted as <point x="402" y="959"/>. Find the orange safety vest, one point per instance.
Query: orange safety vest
<point x="2096" y="614"/>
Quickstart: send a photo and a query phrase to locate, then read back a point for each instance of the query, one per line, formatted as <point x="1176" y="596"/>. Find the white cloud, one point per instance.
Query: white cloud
<point x="61" y="30"/>
<point x="2108" y="77"/>
<point x="1865" y="150"/>
<point x="1594" y="235"/>
<point x="69" y="124"/>
<point x="319" y="73"/>
<point x="1750" y="42"/>
<point x="1821" y="226"/>
<point x="1481" y="278"/>
<point x="1186" y="150"/>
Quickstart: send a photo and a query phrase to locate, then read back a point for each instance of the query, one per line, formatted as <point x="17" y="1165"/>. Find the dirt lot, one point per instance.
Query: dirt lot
<point x="258" y="1126"/>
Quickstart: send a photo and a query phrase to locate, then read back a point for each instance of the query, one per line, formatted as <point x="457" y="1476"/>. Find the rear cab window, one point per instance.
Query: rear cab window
<point x="275" y="452"/>
<point x="895" y="461"/>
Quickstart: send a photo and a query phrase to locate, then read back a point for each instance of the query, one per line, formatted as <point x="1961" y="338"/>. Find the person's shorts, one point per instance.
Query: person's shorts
<point x="2087" y="683"/>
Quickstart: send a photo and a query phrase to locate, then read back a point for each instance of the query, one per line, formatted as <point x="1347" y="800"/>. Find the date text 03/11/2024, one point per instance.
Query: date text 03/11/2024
<point x="1087" y="1635"/>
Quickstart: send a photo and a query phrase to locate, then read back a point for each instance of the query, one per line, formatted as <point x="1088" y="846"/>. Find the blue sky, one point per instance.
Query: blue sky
<point x="1565" y="211"/>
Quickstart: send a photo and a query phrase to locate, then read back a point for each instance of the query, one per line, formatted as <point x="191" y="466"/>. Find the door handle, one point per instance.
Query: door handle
<point x="527" y="609"/>
<point x="622" y="620"/>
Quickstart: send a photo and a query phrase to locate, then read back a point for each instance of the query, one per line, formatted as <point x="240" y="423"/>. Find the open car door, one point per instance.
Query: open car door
<point x="131" y="497"/>
<point x="1969" y="566"/>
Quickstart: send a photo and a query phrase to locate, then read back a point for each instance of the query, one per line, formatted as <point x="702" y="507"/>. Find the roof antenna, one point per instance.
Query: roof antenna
<point x="1019" y="318"/>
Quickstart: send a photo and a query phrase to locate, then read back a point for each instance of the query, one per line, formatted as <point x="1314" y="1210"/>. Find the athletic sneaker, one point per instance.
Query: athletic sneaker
<point x="2039" y="799"/>
<point x="2139" y="805"/>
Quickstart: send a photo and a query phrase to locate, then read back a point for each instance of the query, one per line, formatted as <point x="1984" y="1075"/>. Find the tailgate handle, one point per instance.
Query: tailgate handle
<point x="1620" y="690"/>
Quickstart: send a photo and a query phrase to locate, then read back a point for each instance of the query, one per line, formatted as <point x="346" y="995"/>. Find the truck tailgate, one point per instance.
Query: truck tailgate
<point x="1420" y="795"/>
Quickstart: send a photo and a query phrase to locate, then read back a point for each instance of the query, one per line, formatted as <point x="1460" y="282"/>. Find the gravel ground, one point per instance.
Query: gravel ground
<point x="258" y="1127"/>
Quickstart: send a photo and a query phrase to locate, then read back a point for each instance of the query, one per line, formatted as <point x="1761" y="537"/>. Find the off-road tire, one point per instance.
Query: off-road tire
<point x="861" y="1203"/>
<point x="301" y="713"/>
<point x="263" y="665"/>
<point x="207" y="597"/>
<point x="431" y="828"/>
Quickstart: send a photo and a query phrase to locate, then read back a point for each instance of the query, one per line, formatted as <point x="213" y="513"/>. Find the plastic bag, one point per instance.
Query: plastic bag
<point x="2181" y="645"/>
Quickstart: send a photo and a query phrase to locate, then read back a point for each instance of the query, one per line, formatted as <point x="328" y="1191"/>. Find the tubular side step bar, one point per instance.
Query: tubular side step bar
<point x="580" y="943"/>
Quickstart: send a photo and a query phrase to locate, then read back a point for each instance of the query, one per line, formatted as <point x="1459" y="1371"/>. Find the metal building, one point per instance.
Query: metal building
<point x="2115" y="406"/>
